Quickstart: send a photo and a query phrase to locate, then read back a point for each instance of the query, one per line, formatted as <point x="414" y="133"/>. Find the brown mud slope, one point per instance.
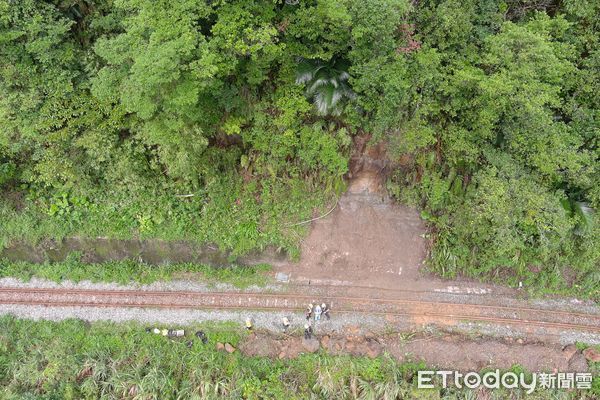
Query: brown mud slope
<point x="363" y="241"/>
<point x="367" y="239"/>
<point x="447" y="351"/>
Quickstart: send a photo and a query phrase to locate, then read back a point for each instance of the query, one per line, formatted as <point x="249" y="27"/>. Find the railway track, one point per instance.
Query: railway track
<point x="527" y="317"/>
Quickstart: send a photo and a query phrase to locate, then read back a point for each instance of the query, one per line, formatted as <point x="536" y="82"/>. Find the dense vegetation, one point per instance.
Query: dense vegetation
<point x="74" y="360"/>
<point x="129" y="271"/>
<point x="228" y="121"/>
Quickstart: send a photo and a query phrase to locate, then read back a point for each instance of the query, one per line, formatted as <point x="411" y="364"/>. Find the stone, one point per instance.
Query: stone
<point x="569" y="351"/>
<point x="578" y="363"/>
<point x="282" y="277"/>
<point x="229" y="348"/>
<point x="311" y="345"/>
<point x="325" y="341"/>
<point x="373" y="349"/>
<point x="591" y="354"/>
<point x="350" y="346"/>
<point x="220" y="346"/>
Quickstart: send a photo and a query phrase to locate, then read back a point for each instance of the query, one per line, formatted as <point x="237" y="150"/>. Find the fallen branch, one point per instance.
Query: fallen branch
<point x="317" y="218"/>
<point x="185" y="195"/>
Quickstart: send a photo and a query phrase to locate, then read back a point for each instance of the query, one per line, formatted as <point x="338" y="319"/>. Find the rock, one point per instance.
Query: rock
<point x="578" y="363"/>
<point x="569" y="351"/>
<point x="281" y="355"/>
<point x="591" y="354"/>
<point x="335" y="346"/>
<point x="220" y="346"/>
<point x="520" y="341"/>
<point x="311" y="345"/>
<point x="325" y="341"/>
<point x="229" y="348"/>
<point x="373" y="349"/>
<point x="261" y="346"/>
<point x="293" y="347"/>
<point x="350" y="346"/>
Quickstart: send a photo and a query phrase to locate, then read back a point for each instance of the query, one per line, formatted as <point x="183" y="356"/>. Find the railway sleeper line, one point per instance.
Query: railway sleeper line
<point x="305" y="299"/>
<point x="292" y="302"/>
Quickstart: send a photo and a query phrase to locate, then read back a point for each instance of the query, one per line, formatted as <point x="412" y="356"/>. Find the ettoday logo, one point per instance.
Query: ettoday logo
<point x="507" y="380"/>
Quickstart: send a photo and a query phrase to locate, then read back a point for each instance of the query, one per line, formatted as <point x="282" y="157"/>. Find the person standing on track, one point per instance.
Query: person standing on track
<point x="307" y="331"/>
<point x="309" y="311"/>
<point x="318" y="312"/>
<point x="325" y="311"/>
<point x="286" y="324"/>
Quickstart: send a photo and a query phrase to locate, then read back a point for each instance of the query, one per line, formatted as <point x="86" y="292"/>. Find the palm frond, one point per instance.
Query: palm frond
<point x="324" y="99"/>
<point x="584" y="212"/>
<point x="325" y="84"/>
<point x="305" y="72"/>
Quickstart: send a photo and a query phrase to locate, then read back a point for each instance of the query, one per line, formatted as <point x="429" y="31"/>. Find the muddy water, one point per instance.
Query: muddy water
<point x="95" y="250"/>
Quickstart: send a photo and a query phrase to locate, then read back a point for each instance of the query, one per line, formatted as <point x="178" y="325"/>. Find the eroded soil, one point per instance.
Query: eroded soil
<point x="442" y="351"/>
<point x="368" y="240"/>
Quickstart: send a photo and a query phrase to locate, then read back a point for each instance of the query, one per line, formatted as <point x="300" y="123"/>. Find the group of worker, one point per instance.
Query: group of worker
<point x="315" y="312"/>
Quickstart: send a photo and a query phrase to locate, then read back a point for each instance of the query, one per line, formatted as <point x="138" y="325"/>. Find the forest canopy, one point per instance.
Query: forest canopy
<point x="227" y="121"/>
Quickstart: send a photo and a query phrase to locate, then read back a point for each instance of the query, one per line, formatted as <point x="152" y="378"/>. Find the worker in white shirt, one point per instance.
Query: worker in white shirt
<point x="318" y="312"/>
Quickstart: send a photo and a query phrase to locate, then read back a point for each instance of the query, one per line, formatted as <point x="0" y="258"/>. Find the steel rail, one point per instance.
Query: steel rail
<point x="305" y="297"/>
<point x="247" y="297"/>
<point x="510" y="321"/>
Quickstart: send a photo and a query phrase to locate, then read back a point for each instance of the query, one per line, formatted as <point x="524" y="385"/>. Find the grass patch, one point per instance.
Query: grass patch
<point x="128" y="271"/>
<point x="73" y="359"/>
<point x="236" y="218"/>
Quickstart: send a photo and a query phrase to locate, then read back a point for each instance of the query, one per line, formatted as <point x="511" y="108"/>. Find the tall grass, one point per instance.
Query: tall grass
<point x="76" y="360"/>
<point x="129" y="271"/>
